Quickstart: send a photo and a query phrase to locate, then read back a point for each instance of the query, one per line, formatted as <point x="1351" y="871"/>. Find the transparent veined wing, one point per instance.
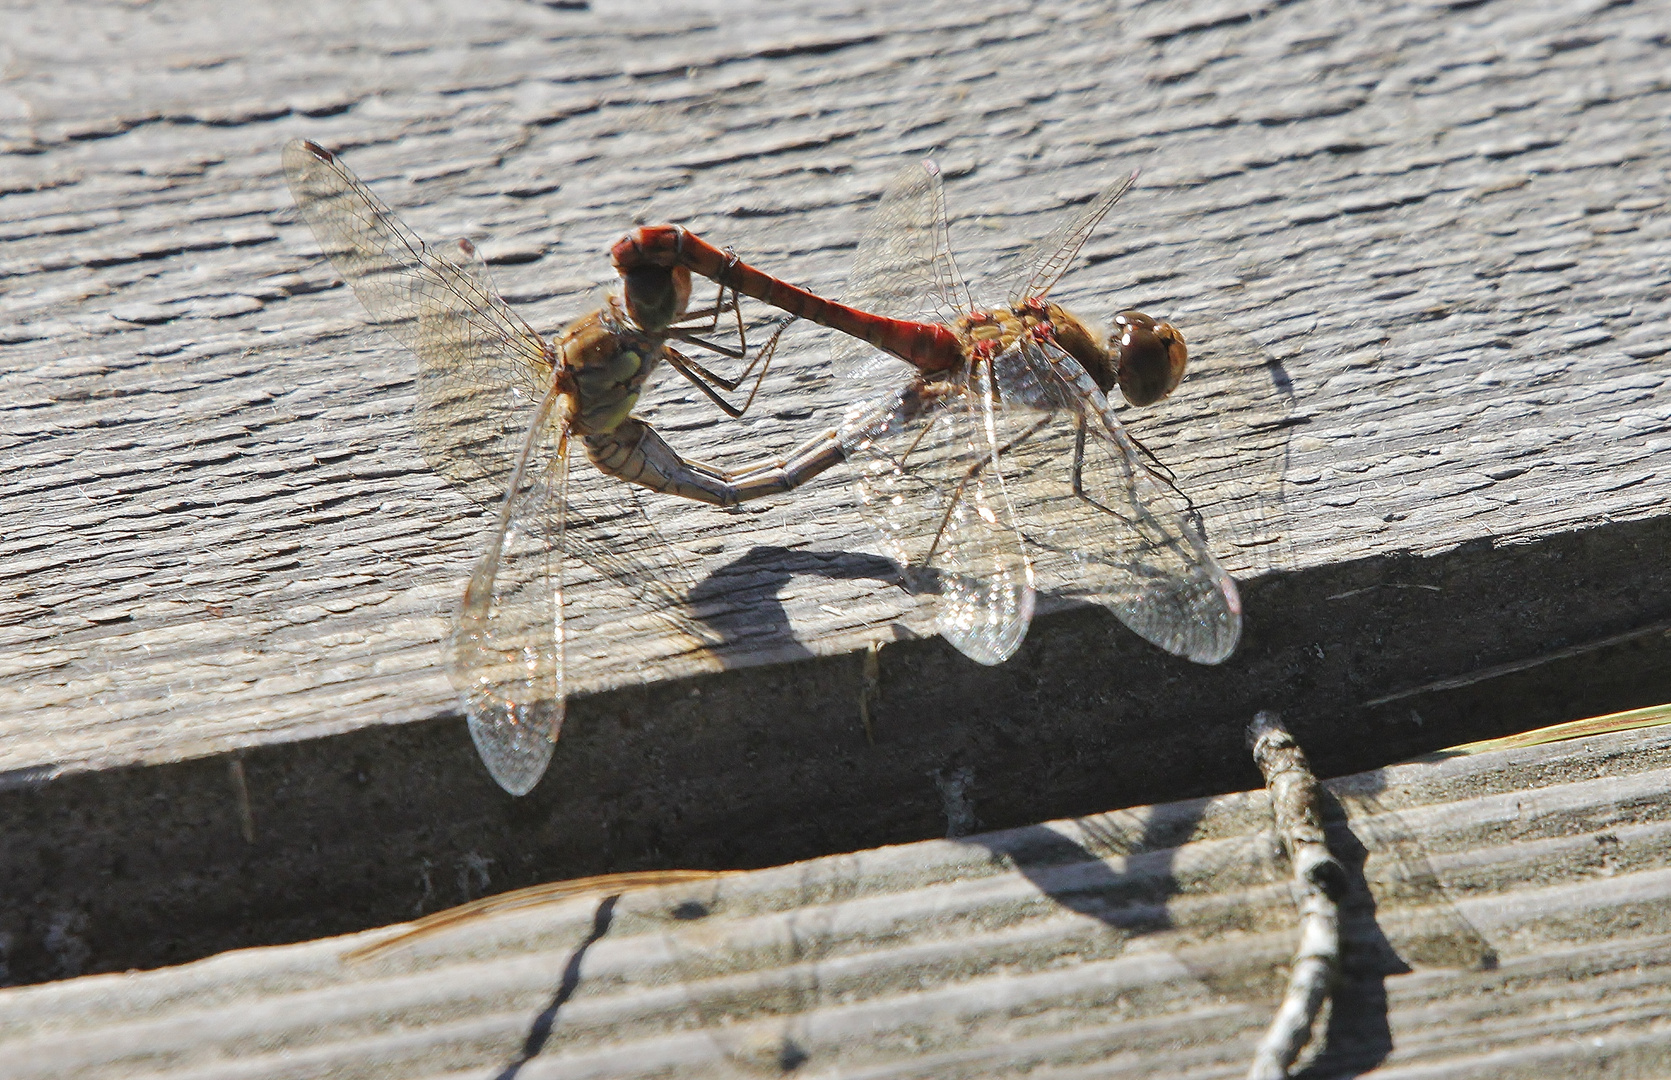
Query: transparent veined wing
<point x="1100" y="525"/>
<point x="509" y="656"/>
<point x="631" y="594"/>
<point x="482" y="369"/>
<point x="1044" y="263"/>
<point x="927" y="477"/>
<point x="903" y="268"/>
<point x="1224" y="440"/>
<point x="505" y="655"/>
<point x="923" y="455"/>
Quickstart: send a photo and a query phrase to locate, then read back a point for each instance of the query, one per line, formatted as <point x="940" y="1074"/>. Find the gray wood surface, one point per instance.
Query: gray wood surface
<point x="1445" y="223"/>
<point x="1505" y="915"/>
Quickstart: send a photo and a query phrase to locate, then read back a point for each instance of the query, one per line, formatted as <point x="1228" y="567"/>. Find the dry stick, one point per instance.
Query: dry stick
<point x="1321" y="879"/>
<point x="870" y="688"/>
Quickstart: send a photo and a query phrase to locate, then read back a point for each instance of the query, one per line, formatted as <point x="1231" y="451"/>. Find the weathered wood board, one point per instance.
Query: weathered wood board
<point x="1506" y="915"/>
<point x="1422" y="250"/>
<point x="218" y="530"/>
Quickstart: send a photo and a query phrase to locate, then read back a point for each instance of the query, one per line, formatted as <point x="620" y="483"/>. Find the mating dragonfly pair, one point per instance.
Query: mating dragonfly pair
<point x="995" y="398"/>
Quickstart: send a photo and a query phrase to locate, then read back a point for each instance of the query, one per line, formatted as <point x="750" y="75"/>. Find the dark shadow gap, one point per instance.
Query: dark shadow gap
<point x="149" y="865"/>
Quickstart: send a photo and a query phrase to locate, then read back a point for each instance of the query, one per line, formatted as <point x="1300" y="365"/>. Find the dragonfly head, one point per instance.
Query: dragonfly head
<point x="1149" y="357"/>
<point x="656" y="296"/>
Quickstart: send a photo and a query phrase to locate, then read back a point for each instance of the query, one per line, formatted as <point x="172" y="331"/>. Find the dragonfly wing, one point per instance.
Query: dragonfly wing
<point x="1121" y="539"/>
<point x="1049" y="258"/>
<point x="505" y="656"/>
<point x="903" y="269"/>
<point x="482" y="369"/>
<point x="626" y="581"/>
<point x="928" y="481"/>
<point x="1226" y="439"/>
<point x="923" y="454"/>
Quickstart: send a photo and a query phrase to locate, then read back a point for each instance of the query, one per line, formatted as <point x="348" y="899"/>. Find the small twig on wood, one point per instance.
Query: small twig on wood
<point x="870" y="689"/>
<point x="1321" y="879"/>
<point x="240" y="793"/>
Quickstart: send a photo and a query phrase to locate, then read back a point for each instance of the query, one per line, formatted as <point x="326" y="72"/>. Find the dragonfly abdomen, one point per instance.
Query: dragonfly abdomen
<point x="634" y="452"/>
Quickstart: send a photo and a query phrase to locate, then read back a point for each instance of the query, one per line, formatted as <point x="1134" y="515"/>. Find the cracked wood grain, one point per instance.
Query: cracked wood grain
<point x="1446" y="227"/>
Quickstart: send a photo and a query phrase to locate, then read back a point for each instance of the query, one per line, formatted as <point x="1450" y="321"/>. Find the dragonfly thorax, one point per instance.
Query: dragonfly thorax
<point x="606" y="362"/>
<point x="1145" y="357"/>
<point x="985" y="334"/>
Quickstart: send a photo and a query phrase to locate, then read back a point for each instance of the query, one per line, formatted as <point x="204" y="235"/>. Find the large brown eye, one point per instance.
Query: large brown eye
<point x="656" y="295"/>
<point x="1151" y="357"/>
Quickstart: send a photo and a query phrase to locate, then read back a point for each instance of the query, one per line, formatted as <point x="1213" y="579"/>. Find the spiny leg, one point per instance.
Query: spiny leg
<point x="1158" y="467"/>
<point x="1165" y="476"/>
<point x="711" y="314"/>
<point x="685" y="329"/>
<point x="721" y="305"/>
<point x="766" y="351"/>
<point x="705" y="380"/>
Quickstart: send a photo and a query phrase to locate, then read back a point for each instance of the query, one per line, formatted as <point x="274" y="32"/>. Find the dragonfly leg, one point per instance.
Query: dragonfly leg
<point x="918" y="441"/>
<point x="945" y="519"/>
<point x="1191" y="514"/>
<point x="688" y="334"/>
<point x="711" y="315"/>
<point x="705" y="380"/>
<point x="634" y="452"/>
<point x="1078" y="471"/>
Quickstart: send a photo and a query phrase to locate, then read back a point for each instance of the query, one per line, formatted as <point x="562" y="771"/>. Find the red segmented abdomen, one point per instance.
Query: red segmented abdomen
<point x="930" y="347"/>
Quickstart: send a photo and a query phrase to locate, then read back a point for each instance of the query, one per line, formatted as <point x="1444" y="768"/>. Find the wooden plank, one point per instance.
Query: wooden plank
<point x="219" y="532"/>
<point x="217" y="535"/>
<point x="1505" y="916"/>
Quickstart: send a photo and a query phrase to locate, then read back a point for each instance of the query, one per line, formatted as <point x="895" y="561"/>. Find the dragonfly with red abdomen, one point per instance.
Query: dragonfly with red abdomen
<point x="998" y="399"/>
<point x="499" y="408"/>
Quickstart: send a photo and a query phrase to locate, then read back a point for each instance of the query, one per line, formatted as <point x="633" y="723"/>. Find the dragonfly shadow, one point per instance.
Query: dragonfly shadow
<point x="540" y="1033"/>
<point x="740" y="600"/>
<point x="1394" y="913"/>
<point x="1076" y="874"/>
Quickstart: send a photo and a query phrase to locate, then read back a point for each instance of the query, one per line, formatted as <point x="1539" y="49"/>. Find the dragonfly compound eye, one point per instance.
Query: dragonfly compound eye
<point x="1151" y="359"/>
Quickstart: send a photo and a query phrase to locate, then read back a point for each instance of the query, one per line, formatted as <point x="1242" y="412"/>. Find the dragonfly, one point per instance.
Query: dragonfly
<point x="500" y="409"/>
<point x="999" y="398"/>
